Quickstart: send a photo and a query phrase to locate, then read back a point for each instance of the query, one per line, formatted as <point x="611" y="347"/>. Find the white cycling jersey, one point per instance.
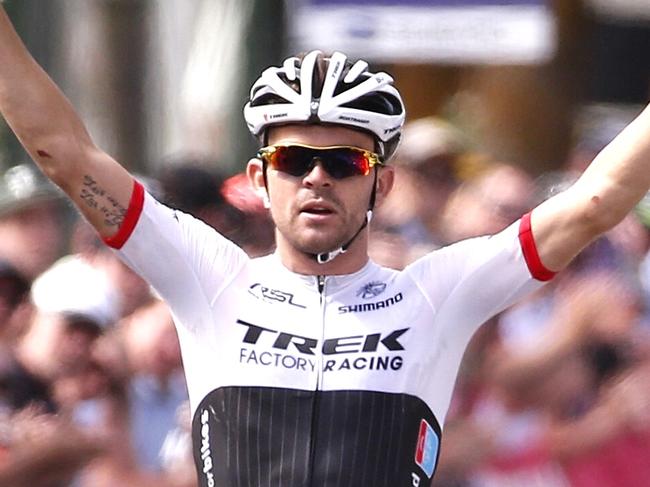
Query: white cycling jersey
<point x="299" y="380"/>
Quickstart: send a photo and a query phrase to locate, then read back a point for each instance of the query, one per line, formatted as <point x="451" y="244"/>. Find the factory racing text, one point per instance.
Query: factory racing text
<point x="290" y="351"/>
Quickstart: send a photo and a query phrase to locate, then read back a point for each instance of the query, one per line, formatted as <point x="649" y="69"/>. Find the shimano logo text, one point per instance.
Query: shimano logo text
<point x="363" y="307"/>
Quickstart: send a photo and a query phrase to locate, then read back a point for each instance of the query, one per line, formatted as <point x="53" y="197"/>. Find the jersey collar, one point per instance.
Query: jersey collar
<point x="334" y="282"/>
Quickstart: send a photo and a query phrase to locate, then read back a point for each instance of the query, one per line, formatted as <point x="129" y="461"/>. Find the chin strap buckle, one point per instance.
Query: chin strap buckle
<point x="325" y="257"/>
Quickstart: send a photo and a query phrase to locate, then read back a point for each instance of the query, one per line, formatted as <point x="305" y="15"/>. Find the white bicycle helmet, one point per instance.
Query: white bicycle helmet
<point x="346" y="94"/>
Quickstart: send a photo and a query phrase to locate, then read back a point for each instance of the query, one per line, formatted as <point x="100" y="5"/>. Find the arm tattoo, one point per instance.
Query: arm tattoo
<point x="95" y="197"/>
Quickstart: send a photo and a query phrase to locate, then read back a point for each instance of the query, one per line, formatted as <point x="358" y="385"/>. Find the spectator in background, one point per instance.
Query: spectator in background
<point x="42" y="450"/>
<point x="426" y="175"/>
<point x="73" y="305"/>
<point x="14" y="289"/>
<point x="195" y="188"/>
<point x="230" y="206"/>
<point x="145" y="415"/>
<point x="157" y="389"/>
<point x="493" y="196"/>
<point x="31" y="223"/>
<point x="254" y="232"/>
<point x="595" y="126"/>
<point x="488" y="203"/>
<point x="569" y="407"/>
<point x="587" y="377"/>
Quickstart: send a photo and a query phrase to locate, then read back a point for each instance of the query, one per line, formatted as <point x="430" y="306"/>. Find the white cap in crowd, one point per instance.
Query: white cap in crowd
<point x="73" y="286"/>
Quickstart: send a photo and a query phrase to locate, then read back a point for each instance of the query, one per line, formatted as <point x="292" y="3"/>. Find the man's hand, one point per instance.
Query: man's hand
<point x="45" y="449"/>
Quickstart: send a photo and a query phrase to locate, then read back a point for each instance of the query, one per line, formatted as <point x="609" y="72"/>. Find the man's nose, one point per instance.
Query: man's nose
<point x="317" y="175"/>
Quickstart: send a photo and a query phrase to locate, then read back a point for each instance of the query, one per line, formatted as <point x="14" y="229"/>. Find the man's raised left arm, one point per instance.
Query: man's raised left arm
<point x="603" y="195"/>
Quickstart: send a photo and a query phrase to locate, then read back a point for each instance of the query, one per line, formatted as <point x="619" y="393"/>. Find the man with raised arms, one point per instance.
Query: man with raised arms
<point x="303" y="367"/>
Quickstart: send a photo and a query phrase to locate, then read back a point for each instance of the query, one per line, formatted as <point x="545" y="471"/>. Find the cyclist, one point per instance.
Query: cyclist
<point x="313" y="366"/>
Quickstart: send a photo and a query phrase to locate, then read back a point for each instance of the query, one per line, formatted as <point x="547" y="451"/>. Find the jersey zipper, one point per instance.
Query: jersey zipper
<point x="320" y="282"/>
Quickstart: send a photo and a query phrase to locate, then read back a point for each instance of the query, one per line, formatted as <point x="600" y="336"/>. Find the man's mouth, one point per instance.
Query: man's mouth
<point x="317" y="208"/>
<point x="318" y="211"/>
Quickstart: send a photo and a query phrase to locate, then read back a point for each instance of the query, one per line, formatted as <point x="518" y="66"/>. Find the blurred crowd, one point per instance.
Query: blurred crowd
<point x="552" y="392"/>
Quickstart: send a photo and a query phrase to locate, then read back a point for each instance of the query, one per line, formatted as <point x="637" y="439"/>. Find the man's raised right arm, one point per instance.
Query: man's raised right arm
<point x="54" y="136"/>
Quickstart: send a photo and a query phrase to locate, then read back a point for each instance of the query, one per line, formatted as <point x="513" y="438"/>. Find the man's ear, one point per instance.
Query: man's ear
<point x="385" y="181"/>
<point x="255" y="173"/>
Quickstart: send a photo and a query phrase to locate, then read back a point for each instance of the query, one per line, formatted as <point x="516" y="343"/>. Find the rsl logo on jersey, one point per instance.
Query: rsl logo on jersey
<point x="426" y="450"/>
